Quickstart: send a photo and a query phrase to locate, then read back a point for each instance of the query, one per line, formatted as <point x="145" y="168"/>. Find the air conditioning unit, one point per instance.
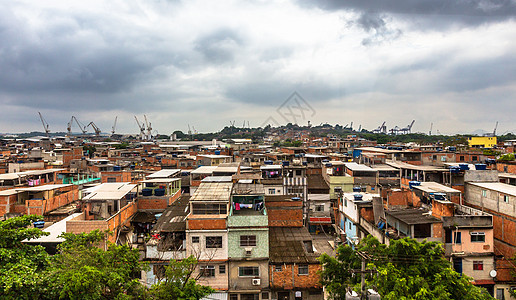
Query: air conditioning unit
<point x="248" y="251"/>
<point x="256" y="281"/>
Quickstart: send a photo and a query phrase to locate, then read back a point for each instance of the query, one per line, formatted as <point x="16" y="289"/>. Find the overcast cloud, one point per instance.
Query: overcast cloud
<point x="206" y="63"/>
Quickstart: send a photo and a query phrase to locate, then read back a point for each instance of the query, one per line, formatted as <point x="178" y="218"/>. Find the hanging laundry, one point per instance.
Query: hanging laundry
<point x="237" y="206"/>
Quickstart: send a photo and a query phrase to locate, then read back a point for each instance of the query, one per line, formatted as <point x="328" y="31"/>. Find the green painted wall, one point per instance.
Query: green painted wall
<point x="345" y="182"/>
<point x="262" y="242"/>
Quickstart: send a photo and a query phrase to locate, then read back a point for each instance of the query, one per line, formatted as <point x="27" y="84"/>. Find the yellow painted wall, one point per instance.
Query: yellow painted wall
<point x="482" y="141"/>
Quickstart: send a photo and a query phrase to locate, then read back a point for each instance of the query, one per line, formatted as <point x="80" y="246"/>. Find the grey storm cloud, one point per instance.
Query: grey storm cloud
<point x="219" y="46"/>
<point x="427" y="13"/>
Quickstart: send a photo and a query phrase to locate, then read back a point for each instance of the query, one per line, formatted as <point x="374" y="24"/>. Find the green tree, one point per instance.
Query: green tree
<point x="84" y="270"/>
<point x="21" y="265"/>
<point x="406" y="269"/>
<point x="179" y="283"/>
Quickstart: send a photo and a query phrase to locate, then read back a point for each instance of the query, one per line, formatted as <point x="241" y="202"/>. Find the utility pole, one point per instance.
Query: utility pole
<point x="364" y="257"/>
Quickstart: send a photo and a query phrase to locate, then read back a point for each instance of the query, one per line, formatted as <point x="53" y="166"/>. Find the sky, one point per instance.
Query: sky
<point x="449" y="65"/>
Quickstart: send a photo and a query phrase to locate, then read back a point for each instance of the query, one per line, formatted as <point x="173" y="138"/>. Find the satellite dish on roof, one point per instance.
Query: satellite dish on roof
<point x="492" y="273"/>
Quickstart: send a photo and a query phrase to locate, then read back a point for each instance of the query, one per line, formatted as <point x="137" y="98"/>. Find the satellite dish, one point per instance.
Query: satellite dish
<point x="492" y="273"/>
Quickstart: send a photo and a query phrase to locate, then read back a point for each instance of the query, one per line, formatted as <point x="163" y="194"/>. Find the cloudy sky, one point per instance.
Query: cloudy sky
<point x="209" y="63"/>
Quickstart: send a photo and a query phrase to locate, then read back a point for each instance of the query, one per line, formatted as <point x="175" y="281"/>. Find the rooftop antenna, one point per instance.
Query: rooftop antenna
<point x="46" y="127"/>
<point x="431" y="126"/>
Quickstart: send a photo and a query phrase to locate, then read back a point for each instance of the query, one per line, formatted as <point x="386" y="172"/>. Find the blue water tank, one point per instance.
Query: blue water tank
<point x="286" y="163"/>
<point x="146" y="192"/>
<point x="328" y="165"/>
<point x="464" y="167"/>
<point x="452" y="148"/>
<point x="217" y="152"/>
<point x="358" y="197"/>
<point x="356" y="153"/>
<point x="116" y="168"/>
<point x="414" y="183"/>
<point x="454" y="169"/>
<point x="305" y="163"/>
<point x="480" y="167"/>
<point x="296" y="199"/>
<point x="174" y="155"/>
<point x="268" y="162"/>
<point x="357" y="189"/>
<point x="39" y="224"/>
<point x="159" y="192"/>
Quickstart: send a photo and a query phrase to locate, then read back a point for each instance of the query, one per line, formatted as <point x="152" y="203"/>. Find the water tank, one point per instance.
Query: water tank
<point x="217" y="152"/>
<point x="159" y="192"/>
<point x="39" y="224"/>
<point x="146" y="192"/>
<point x="454" y="169"/>
<point x="452" y="149"/>
<point x="174" y="155"/>
<point x="414" y="183"/>
<point x="268" y="162"/>
<point x="116" y="168"/>
<point x="305" y="163"/>
<point x="480" y="167"/>
<point x="286" y="163"/>
<point x="296" y="199"/>
<point x="357" y="189"/>
<point x="464" y="167"/>
<point x="329" y="165"/>
<point x="358" y="197"/>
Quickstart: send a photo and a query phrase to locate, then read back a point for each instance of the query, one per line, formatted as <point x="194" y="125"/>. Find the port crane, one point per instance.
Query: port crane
<point x="46" y="127"/>
<point x="149" y="128"/>
<point x="142" y="128"/>
<point x="95" y="128"/>
<point x="407" y="129"/>
<point x="381" y="129"/>
<point x="114" y="126"/>
<point x="81" y="126"/>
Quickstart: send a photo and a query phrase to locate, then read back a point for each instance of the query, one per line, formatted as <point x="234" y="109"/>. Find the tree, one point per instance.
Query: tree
<point x="84" y="270"/>
<point x="21" y="265"/>
<point x="406" y="269"/>
<point x="178" y="282"/>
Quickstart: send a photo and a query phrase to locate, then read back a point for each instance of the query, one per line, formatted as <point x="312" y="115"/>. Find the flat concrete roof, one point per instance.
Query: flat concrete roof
<point x="434" y="187"/>
<point x="110" y="191"/>
<point x="497" y="186"/>
<point x="164" y="173"/>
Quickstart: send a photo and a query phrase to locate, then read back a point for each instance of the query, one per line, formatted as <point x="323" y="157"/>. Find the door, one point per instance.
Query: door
<point x="283" y="295"/>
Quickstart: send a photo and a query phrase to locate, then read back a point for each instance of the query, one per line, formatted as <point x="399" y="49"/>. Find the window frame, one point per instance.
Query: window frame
<point x="248" y="269"/>
<point x="215" y="244"/>
<point x="247" y="241"/>
<point x="196" y="239"/>
<point x="210" y="268"/>
<point x="303" y="267"/>
<point x="477" y="234"/>
<point x="478" y="265"/>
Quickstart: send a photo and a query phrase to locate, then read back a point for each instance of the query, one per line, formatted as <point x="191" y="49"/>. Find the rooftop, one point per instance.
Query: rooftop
<point x="412" y="216"/>
<point x="497" y="186"/>
<point x="164" y="173"/>
<point x="213" y="191"/>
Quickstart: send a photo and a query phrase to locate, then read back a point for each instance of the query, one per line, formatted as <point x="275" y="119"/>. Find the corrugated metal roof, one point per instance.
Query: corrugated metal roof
<point x="164" y="173"/>
<point x="204" y="170"/>
<point x="46" y="187"/>
<point x="434" y="187"/>
<point x="110" y="191"/>
<point x="213" y="191"/>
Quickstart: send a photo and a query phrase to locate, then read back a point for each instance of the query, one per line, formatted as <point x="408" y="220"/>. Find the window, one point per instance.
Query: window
<point x="434" y="157"/>
<point x="474" y="158"/>
<point x="248" y="271"/>
<point x="345" y="202"/>
<point x="484" y="193"/>
<point x="209" y="209"/>
<point x="506" y="198"/>
<point x="111" y="179"/>
<point x="233" y="297"/>
<point x="298" y="172"/>
<point x="195" y="239"/>
<point x="319" y="208"/>
<point x="505" y="169"/>
<point x="302" y="269"/>
<point x="265" y="295"/>
<point x="272" y="191"/>
<point x="247" y="240"/>
<point x="478" y="237"/>
<point x="208" y="271"/>
<point x="278" y="268"/>
<point x="478" y="265"/>
<point x="461" y="158"/>
<point x="213" y="242"/>
<point x="222" y="269"/>
<point x="457" y="237"/>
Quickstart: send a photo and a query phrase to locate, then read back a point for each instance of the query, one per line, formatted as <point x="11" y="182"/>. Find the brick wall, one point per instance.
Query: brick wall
<point x="152" y="203"/>
<point x="206" y="224"/>
<point x="41" y="207"/>
<point x="442" y="209"/>
<point x="511" y="168"/>
<point x="289" y="278"/>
